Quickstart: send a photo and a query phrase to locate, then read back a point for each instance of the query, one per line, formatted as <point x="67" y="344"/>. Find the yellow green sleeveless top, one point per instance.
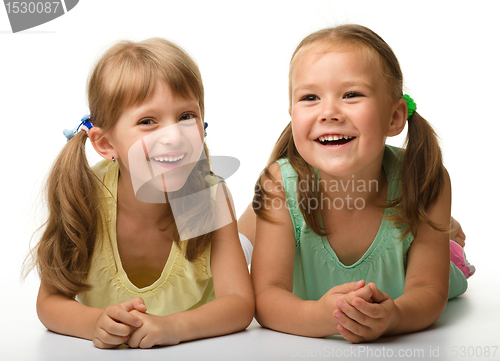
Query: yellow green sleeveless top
<point x="182" y="286"/>
<point x="317" y="268"/>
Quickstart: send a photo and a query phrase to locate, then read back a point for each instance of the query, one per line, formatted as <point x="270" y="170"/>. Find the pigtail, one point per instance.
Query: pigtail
<point x="261" y="195"/>
<point x="422" y="175"/>
<point x="200" y="215"/>
<point x="65" y="249"/>
<point x="285" y="148"/>
<point x="197" y="212"/>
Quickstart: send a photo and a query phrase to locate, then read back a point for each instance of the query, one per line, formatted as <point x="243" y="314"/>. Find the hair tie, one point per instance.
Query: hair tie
<point x="205" y="126"/>
<point x="412" y="106"/>
<point x="85" y="124"/>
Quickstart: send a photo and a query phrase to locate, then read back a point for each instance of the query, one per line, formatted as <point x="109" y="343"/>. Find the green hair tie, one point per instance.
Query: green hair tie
<point x="412" y="106"/>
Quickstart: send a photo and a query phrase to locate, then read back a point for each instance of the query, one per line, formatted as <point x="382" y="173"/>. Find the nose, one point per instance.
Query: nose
<point x="331" y="111"/>
<point x="170" y="135"/>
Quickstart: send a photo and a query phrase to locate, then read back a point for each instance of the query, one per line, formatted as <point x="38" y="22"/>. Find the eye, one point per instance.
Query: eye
<point x="146" y="121"/>
<point x="187" y="116"/>
<point x="350" y="95"/>
<point x="309" y="98"/>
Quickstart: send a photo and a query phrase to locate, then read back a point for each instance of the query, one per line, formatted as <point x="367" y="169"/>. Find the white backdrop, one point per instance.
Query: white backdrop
<point x="448" y="52"/>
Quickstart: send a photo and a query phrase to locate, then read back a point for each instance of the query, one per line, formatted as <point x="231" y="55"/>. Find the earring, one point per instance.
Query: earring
<point x="113" y="158"/>
<point x="205" y="126"/>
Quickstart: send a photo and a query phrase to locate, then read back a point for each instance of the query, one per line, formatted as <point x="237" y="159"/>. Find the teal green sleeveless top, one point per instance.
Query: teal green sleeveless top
<point x="317" y="268"/>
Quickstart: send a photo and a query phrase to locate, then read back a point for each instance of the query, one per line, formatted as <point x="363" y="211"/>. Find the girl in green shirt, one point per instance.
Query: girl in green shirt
<point x="352" y="236"/>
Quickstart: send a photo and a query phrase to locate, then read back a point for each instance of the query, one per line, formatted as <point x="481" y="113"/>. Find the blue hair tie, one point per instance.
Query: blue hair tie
<point x="85" y="124"/>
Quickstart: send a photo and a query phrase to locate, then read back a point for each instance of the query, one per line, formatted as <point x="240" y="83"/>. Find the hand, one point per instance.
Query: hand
<point x="361" y="321"/>
<point x="328" y="303"/>
<point x="155" y="331"/>
<point x="116" y="322"/>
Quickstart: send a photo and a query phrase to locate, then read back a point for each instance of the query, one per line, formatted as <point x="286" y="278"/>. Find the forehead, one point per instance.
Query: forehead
<point x="340" y="61"/>
<point x="156" y="89"/>
<point x="161" y="94"/>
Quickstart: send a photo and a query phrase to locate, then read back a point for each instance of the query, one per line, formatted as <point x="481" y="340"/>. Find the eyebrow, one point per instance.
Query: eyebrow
<point x="357" y="83"/>
<point x="303" y="87"/>
<point x="348" y="83"/>
<point x="184" y="103"/>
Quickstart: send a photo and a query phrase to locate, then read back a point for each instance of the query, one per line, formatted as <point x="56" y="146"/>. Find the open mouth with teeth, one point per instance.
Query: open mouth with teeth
<point x="169" y="159"/>
<point x="334" y="140"/>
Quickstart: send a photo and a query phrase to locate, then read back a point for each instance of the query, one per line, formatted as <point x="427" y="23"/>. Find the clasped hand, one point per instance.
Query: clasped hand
<point x="128" y="322"/>
<point x="363" y="319"/>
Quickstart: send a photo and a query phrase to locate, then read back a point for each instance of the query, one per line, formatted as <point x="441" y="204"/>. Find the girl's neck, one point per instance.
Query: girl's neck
<point x="354" y="191"/>
<point x="149" y="214"/>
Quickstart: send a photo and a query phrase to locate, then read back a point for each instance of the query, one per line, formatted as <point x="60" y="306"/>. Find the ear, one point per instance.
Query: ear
<point x="398" y="119"/>
<point x="101" y="143"/>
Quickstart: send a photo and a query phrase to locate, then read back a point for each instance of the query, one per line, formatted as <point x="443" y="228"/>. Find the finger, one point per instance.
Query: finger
<point x="348" y="335"/>
<point x="146" y="342"/>
<point x="348" y="287"/>
<point x="108" y="340"/>
<point x="358" y="285"/>
<point x="139" y="304"/>
<point x="99" y="344"/>
<point x="377" y="296"/>
<point x="353" y="313"/>
<point x="350" y="324"/>
<point x="136" y="338"/>
<point x="113" y="327"/>
<point x="136" y="303"/>
<point x="364" y="293"/>
<point x="120" y="315"/>
<point x="372" y="310"/>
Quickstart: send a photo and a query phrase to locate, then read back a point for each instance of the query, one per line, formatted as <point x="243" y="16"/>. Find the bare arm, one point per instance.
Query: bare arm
<point x="426" y="286"/>
<point x="272" y="275"/>
<point x="428" y="272"/>
<point x="246" y="224"/>
<point x="64" y="315"/>
<point x="106" y="328"/>
<point x="231" y="311"/>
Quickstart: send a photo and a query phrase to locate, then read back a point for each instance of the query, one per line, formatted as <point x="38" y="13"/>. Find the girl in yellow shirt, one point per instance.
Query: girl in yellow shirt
<point x="143" y="248"/>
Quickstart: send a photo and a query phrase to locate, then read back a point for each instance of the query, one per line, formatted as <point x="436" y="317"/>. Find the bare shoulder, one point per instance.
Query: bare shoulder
<point x="274" y="250"/>
<point x="275" y="171"/>
<point x="440" y="211"/>
<point x="271" y="180"/>
<point x="429" y="254"/>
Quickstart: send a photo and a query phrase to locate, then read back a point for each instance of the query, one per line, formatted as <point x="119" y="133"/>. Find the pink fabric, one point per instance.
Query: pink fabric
<point x="458" y="258"/>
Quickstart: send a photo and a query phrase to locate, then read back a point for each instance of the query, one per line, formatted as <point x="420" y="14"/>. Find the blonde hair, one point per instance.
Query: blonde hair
<point x="125" y="75"/>
<point x="422" y="170"/>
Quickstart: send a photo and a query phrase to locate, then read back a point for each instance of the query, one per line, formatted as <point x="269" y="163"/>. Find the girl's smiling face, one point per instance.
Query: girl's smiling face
<point x="160" y="140"/>
<point x="341" y="110"/>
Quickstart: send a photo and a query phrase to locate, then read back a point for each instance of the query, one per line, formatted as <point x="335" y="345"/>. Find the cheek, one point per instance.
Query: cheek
<point x="136" y="161"/>
<point x="196" y="140"/>
<point x="301" y="128"/>
<point x="299" y="121"/>
<point x="302" y="143"/>
<point x="297" y="113"/>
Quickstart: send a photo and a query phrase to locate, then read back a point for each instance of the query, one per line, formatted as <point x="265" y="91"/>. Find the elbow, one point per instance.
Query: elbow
<point x="41" y="310"/>
<point x="260" y="311"/>
<point x="248" y="312"/>
<point x="244" y="314"/>
<point x="47" y="306"/>
<point x="441" y="296"/>
<point x="440" y="300"/>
